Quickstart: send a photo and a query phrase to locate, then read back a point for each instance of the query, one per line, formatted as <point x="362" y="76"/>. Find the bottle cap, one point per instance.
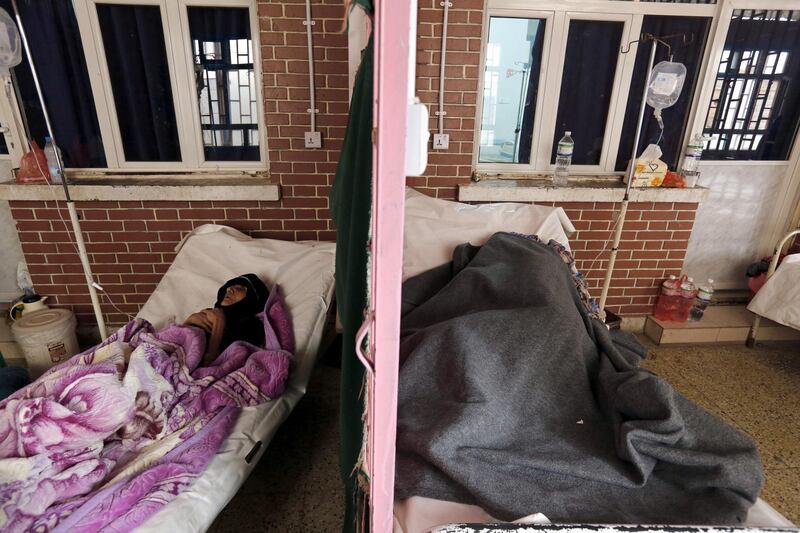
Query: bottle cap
<point x="568" y="133"/>
<point x="710" y="280"/>
<point x="47" y="139"/>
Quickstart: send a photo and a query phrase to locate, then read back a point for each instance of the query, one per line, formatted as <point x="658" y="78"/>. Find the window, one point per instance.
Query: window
<point x="590" y="65"/>
<point x="225" y="81"/>
<point x="688" y="51"/>
<point x="755" y="106"/>
<point x="146" y="84"/>
<point x="136" y="55"/>
<point x="55" y="42"/>
<point x="511" y="86"/>
<point x="563" y="70"/>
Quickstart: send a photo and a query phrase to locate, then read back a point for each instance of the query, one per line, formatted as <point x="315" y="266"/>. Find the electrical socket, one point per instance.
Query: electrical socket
<point x="441" y="141"/>
<point x="313" y="139"/>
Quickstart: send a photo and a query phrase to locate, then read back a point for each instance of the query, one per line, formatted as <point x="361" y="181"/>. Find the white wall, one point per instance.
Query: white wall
<point x="733" y="225"/>
<point x="10" y="251"/>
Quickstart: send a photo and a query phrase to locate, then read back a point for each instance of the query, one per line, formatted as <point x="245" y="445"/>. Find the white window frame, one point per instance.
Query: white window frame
<point x="560" y="13"/>
<point x="178" y="45"/>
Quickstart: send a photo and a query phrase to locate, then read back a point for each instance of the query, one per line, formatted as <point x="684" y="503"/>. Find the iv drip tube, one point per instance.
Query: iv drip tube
<point x="73" y="213"/>
<point x="312" y="111"/>
<point x="442" y="61"/>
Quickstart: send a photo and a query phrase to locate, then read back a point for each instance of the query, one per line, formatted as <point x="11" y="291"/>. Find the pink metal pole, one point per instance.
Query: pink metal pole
<point x="392" y="49"/>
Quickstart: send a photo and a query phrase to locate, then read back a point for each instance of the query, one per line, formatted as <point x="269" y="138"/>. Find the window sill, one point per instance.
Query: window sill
<point x="151" y="189"/>
<point x="578" y="190"/>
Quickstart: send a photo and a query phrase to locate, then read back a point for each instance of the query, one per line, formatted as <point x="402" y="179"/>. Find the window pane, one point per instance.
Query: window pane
<point x="755" y="107"/>
<point x="675" y="117"/>
<point x="510" y="88"/>
<point x="56" y="45"/>
<point x="225" y="82"/>
<point x="137" y="64"/>
<point x="590" y="64"/>
<point x="3" y="146"/>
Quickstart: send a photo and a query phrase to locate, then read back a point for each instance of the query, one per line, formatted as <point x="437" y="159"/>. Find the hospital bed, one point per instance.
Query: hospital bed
<point x="206" y="258"/>
<point x="433" y="228"/>
<point x="779" y="298"/>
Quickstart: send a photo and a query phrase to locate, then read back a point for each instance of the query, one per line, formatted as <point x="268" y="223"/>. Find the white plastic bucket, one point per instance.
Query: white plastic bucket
<point x="46" y="338"/>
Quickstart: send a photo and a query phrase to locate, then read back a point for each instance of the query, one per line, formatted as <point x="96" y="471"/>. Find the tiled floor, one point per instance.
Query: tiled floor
<point x="296" y="486"/>
<point x="757" y="391"/>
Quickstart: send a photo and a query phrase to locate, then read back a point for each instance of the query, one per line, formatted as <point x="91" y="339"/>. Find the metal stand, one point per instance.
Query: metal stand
<point x="73" y="213"/>
<point x="631" y="169"/>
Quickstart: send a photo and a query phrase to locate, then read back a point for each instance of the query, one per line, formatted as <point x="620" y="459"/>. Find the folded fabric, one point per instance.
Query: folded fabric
<point x="513" y="397"/>
<point x="95" y="445"/>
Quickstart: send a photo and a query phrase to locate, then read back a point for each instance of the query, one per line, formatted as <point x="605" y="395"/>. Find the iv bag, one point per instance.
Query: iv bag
<point x="10" y="51"/>
<point x="665" y="85"/>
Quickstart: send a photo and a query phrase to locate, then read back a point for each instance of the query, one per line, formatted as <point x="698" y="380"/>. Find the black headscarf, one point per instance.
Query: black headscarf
<point x="241" y="322"/>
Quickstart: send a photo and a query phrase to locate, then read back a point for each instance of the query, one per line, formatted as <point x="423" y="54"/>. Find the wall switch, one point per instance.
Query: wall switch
<point x="313" y="139"/>
<point x="441" y="141"/>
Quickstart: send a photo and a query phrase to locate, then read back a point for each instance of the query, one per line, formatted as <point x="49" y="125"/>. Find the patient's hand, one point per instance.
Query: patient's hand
<point x="217" y="320"/>
<point x="200" y="320"/>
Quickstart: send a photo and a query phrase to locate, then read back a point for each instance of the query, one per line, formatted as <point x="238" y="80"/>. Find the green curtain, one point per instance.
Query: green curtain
<point x="350" y="201"/>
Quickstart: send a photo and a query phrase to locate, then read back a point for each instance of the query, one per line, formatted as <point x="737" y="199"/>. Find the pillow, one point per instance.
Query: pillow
<point x="433" y="227"/>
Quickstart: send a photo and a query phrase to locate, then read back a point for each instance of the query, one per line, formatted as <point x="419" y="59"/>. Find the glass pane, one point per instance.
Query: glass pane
<point x="590" y="64"/>
<point x="225" y="82"/>
<point x="755" y="107"/>
<point x="3" y="146"/>
<point x="675" y="118"/>
<point x="56" y="46"/>
<point x="137" y="63"/>
<point x="510" y="88"/>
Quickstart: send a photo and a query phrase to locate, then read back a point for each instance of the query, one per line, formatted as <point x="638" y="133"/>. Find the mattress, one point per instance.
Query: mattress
<point x="208" y="257"/>
<point x="418" y="515"/>
<point x="779" y="298"/>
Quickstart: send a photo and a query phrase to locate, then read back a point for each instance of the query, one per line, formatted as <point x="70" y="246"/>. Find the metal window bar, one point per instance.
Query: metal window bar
<point x="225" y="113"/>
<point x="750" y="87"/>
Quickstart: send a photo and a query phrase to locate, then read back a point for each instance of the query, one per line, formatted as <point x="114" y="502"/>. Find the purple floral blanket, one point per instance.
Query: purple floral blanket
<point x="104" y="440"/>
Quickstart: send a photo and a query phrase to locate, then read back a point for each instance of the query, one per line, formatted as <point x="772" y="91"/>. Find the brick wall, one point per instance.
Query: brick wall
<point x="131" y="244"/>
<point x="653" y="246"/>
<point x="656" y="235"/>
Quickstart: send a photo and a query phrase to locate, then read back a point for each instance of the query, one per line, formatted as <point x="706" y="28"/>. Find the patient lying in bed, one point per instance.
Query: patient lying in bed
<point x="108" y="437"/>
<point x="234" y="315"/>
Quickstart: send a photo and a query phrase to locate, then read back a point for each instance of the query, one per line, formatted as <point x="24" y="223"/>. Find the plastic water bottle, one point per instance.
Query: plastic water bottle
<point x="688" y="294"/>
<point x="563" y="159"/>
<point x="52" y="162"/>
<point x="701" y="301"/>
<point x="694" y="150"/>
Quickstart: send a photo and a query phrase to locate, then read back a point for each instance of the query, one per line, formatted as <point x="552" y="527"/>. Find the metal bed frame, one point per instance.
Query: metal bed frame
<point x="773" y="265"/>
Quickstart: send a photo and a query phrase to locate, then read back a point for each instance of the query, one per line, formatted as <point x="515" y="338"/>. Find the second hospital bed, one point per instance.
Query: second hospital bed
<point x="208" y="257"/>
<point x="433" y="228"/>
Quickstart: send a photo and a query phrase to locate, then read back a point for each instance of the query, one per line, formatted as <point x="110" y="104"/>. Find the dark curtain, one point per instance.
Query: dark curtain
<point x="137" y="63"/>
<point x="677" y="116"/>
<point x="529" y="111"/>
<point x="589" y="67"/>
<point x="350" y="201"/>
<point x="58" y="53"/>
<point x="218" y="23"/>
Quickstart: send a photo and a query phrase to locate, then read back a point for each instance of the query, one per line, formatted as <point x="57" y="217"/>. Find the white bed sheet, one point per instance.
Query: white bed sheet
<point x="418" y="515"/>
<point x="208" y="257"/>
<point x="779" y="298"/>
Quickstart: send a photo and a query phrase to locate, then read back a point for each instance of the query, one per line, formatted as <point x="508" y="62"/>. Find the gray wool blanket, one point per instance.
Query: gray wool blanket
<point x="513" y="398"/>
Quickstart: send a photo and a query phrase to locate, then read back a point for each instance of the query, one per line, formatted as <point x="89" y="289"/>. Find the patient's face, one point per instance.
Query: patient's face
<point x="233" y="294"/>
